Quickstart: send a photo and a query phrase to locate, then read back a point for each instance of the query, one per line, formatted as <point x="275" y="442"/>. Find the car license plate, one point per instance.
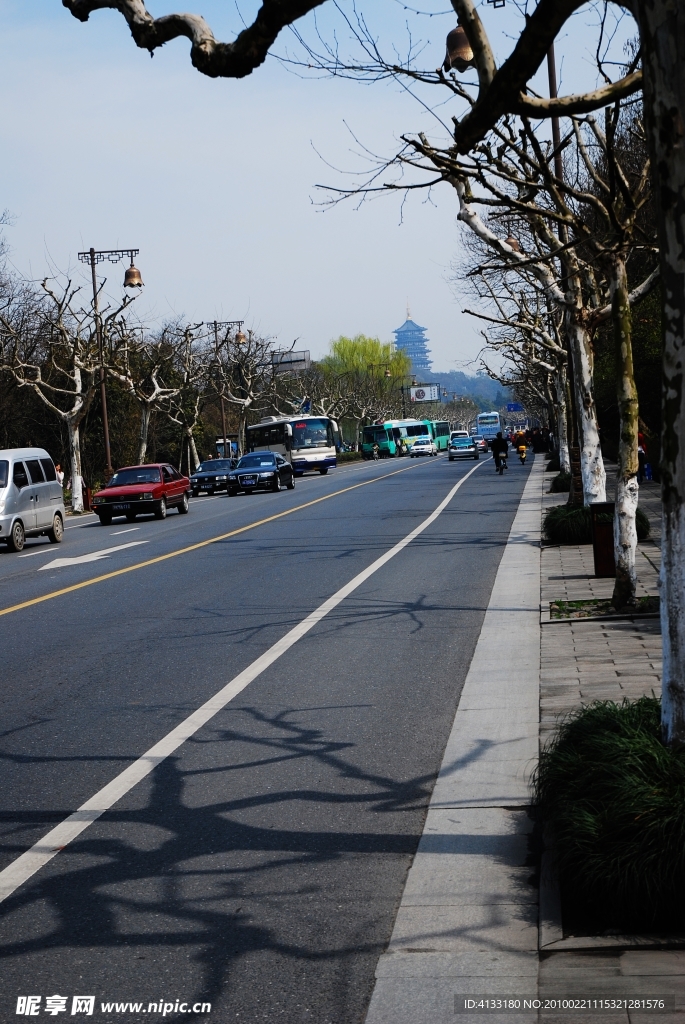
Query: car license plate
<point x="120" y="508"/>
<point x="249" y="481"/>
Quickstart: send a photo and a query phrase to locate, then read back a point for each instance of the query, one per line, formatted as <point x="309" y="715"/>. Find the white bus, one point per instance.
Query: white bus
<point x="488" y="424"/>
<point x="307" y="442"/>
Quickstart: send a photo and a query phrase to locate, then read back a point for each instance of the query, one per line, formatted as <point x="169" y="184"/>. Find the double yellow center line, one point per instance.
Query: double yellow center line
<point x="193" y="547"/>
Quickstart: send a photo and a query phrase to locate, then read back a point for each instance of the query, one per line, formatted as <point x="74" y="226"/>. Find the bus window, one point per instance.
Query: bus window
<point x="266" y="436"/>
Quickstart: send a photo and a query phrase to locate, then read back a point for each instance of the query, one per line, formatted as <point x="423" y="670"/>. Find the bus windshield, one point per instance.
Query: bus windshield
<point x="492" y="417"/>
<point x="312" y="434"/>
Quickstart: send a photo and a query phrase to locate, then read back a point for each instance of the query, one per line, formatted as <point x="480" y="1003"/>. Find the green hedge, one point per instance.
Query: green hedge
<point x="614" y="796"/>
<point x="571" y="524"/>
<point x="561" y="483"/>
<point x="553" y="466"/>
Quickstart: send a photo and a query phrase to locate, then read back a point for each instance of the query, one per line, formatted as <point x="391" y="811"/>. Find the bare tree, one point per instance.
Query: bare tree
<point x="245" y="377"/>
<point x="146" y="371"/>
<point x="49" y="345"/>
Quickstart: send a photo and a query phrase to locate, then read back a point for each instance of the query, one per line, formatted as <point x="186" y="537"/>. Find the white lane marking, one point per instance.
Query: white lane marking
<point x="94" y="556"/>
<point x="41" y="550"/>
<point x="131" y="529"/>
<point x="46" y="848"/>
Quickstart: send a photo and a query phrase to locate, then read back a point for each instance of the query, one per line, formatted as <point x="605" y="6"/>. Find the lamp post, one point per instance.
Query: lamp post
<point x="240" y="338"/>
<point x="132" y="279"/>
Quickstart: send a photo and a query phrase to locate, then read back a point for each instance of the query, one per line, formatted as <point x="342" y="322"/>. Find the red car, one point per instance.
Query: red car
<point x="137" y="490"/>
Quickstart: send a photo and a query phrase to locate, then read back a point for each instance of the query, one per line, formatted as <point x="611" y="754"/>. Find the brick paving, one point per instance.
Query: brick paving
<point x="582" y="662"/>
<point x="585" y="661"/>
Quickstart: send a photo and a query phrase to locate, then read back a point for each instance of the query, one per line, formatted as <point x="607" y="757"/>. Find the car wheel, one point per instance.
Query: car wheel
<point x="232" y="492"/>
<point x="183" y="507"/>
<point x="131" y="517"/>
<point x="196" y="494"/>
<point x="476" y="456"/>
<point x="160" y="511"/>
<point x="15" y="541"/>
<point x="56" y="534"/>
<point x="105" y="519"/>
<point x="450" y="458"/>
<point x="291" y="485"/>
<point x="277" y="484"/>
<point x="323" y="470"/>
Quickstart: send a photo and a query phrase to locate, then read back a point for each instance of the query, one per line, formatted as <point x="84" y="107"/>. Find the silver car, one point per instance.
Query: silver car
<point x="31" y="499"/>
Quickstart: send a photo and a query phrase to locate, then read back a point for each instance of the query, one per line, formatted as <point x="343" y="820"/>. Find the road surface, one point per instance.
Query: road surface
<point x="258" y="866"/>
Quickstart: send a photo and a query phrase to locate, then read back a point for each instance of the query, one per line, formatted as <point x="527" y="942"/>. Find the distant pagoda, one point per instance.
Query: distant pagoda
<point x="411" y="338"/>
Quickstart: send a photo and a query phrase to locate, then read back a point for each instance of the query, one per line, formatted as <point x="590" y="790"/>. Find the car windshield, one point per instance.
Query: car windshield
<point x="477" y="437"/>
<point x="4" y="472"/>
<point x="138" y="475"/>
<point x="257" y="460"/>
<point x="422" y="440"/>
<point x="214" y="466"/>
<point x="462" y="442"/>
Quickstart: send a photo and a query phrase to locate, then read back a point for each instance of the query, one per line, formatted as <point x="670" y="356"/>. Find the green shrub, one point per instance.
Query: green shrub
<point x="561" y="483"/>
<point x="614" y="796"/>
<point x="572" y="524"/>
<point x="553" y="466"/>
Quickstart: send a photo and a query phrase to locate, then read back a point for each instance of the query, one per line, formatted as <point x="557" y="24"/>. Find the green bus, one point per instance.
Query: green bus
<point x="395" y="437"/>
<point x="439" y="430"/>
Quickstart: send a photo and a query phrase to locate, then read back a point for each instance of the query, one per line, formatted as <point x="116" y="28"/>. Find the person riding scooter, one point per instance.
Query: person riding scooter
<point x="499" y="447"/>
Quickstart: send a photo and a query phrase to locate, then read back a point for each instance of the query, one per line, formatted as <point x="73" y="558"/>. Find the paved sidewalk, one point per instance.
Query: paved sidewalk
<point x="468" y="919"/>
<point x="467" y="922"/>
<point x="585" y="661"/>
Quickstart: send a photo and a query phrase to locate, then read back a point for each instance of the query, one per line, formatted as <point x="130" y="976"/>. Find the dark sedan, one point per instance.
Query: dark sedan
<point x="211" y="476"/>
<point x="265" y="471"/>
<point x="135" y="490"/>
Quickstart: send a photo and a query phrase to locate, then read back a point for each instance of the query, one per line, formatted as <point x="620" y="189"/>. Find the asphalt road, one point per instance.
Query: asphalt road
<point x="259" y="867"/>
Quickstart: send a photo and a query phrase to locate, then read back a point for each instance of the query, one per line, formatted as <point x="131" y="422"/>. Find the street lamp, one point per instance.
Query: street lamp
<point x="240" y="338"/>
<point x="132" y="279"/>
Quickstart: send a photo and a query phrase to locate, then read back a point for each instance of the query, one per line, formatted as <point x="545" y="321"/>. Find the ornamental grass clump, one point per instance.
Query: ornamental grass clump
<point x="553" y="466"/>
<point x="561" y="483"/>
<point x="572" y="524"/>
<point x="614" y="797"/>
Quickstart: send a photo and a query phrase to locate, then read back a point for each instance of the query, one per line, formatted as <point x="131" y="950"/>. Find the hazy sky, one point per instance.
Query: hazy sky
<point x="214" y="180"/>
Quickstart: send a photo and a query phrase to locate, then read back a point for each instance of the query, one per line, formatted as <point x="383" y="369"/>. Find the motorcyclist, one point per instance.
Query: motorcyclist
<point x="499" y="447"/>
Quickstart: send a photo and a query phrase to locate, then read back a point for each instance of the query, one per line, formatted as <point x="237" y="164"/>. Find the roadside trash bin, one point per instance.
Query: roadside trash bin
<point x="602" y="516"/>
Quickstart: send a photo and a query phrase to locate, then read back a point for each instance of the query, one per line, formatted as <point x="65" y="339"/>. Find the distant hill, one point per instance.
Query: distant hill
<point x="487" y="393"/>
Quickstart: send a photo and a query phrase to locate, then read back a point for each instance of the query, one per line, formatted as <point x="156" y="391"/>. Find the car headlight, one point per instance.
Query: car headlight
<point x="147" y="496"/>
<point x="222" y="478"/>
<point x="94" y="501"/>
<point x="263" y="476"/>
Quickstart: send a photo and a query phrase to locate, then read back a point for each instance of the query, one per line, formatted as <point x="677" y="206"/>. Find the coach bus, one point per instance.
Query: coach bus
<point x="488" y="424"/>
<point x="307" y="442"/>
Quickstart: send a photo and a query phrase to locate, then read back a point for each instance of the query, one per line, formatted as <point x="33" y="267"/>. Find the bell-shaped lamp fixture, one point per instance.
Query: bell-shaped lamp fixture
<point x="413" y="382"/>
<point x="387" y="372"/>
<point x="459" y="54"/>
<point x="240" y="338"/>
<point x="132" y="278"/>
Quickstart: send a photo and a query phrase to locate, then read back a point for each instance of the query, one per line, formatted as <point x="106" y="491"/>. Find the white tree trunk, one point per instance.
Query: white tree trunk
<point x="562" y="422"/>
<point x="144" y="427"/>
<point x="591" y="461"/>
<point x="194" y="457"/>
<point x="627" y="489"/>
<point x="75" y="462"/>
<point x="662" y="35"/>
<point x="625" y="540"/>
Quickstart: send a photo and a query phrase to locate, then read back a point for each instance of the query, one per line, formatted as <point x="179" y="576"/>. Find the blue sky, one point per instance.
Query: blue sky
<point x="214" y="181"/>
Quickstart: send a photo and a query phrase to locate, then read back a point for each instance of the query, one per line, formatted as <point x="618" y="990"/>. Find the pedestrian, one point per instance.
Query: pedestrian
<point x="59" y="474"/>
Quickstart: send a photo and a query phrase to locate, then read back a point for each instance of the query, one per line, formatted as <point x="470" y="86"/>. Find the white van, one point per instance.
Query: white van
<point x="31" y="498"/>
